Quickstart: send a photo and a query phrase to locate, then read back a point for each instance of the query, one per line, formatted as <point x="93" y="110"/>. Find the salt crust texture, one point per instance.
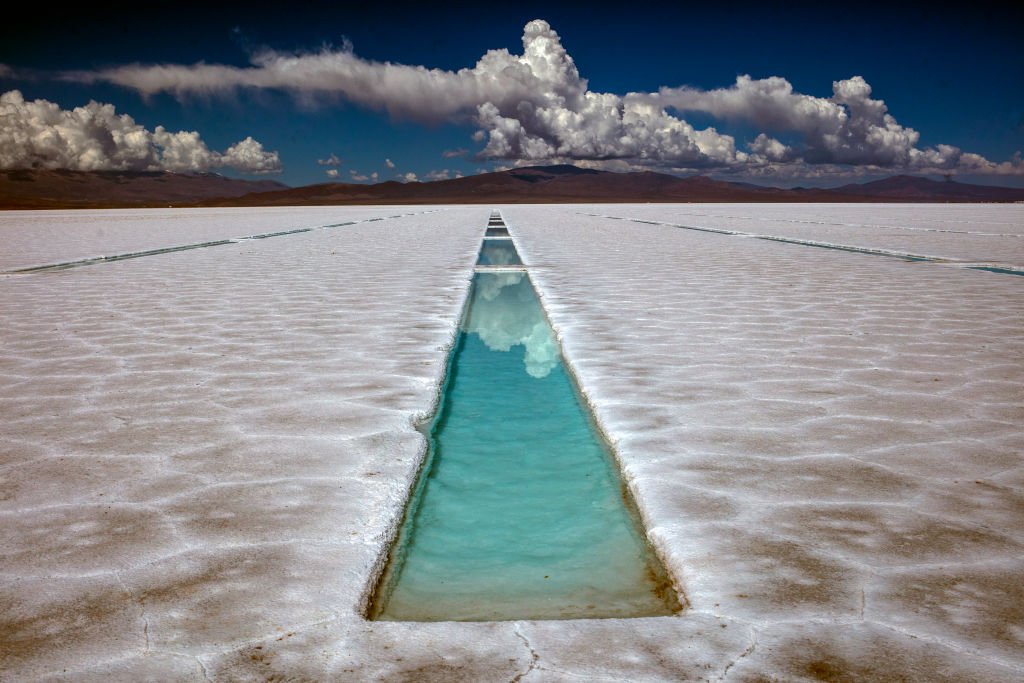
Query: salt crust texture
<point x="970" y="233"/>
<point x="33" y="238"/>
<point x="205" y="453"/>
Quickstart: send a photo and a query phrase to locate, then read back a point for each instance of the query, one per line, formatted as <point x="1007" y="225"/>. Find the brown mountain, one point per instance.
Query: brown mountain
<point x="563" y="184"/>
<point x="61" y="189"/>
<point x="534" y="184"/>
<point x="916" y="189"/>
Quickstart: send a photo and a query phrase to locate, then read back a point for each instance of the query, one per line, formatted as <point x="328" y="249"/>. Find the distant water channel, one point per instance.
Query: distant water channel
<point x="521" y="514"/>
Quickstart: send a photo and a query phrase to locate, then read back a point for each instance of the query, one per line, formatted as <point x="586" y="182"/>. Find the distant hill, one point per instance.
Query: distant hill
<point x="906" y="188"/>
<point x="45" y="189"/>
<point x="562" y="184"/>
<point x="532" y="184"/>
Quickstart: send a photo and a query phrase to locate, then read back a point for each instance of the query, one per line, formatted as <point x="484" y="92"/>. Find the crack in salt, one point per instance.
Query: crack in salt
<point x="942" y="642"/>
<point x="142" y="608"/>
<point x="749" y="651"/>
<point x="202" y="667"/>
<point x="533" y="654"/>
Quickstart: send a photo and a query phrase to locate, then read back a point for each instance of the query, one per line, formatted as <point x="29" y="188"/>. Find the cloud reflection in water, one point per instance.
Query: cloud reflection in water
<point x="504" y="313"/>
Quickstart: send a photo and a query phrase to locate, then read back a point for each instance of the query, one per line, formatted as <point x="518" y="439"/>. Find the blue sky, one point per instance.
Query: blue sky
<point x="625" y="87"/>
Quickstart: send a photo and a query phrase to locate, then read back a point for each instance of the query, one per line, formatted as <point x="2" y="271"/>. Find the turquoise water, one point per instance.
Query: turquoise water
<point x="498" y="253"/>
<point x="520" y="515"/>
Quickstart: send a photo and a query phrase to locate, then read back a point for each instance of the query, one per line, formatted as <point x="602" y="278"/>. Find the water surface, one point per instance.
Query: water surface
<point x="521" y="514"/>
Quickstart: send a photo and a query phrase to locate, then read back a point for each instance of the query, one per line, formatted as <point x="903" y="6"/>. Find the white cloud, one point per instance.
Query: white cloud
<point x="389" y="163"/>
<point x="443" y="174"/>
<point x="94" y="137"/>
<point x="361" y="177"/>
<point x="408" y="178"/>
<point x="535" y="107"/>
<point x="771" y="149"/>
<point x="332" y="173"/>
<point x="848" y="128"/>
<point x="250" y="156"/>
<point x="332" y="160"/>
<point x="452" y="153"/>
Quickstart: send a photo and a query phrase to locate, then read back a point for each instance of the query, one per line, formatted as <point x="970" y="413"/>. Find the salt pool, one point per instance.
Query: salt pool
<point x="499" y="252"/>
<point x="520" y="514"/>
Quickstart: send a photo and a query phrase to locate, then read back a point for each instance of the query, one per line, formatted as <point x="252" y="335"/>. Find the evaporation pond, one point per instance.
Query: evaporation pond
<point x="498" y="253"/>
<point x="521" y="513"/>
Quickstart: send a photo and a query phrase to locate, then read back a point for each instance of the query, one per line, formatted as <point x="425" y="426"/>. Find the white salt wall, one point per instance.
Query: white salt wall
<point x="204" y="453"/>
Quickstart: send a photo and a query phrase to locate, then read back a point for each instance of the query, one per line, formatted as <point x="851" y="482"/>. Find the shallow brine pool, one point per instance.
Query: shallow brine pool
<point x="521" y="514"/>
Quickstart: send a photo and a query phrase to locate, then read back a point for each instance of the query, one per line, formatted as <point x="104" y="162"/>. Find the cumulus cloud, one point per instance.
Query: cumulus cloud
<point x="332" y="173"/>
<point x="389" y="163"/>
<point x="443" y="174"/>
<point x="452" y="153"/>
<point x="362" y="177"/>
<point x="848" y="128"/>
<point x="332" y="160"/>
<point x="94" y="137"/>
<point x="535" y="107"/>
<point x="408" y="178"/>
<point x="249" y="155"/>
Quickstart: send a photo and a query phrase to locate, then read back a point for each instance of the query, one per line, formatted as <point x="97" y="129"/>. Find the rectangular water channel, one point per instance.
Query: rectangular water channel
<point x="519" y="512"/>
<point x="499" y="252"/>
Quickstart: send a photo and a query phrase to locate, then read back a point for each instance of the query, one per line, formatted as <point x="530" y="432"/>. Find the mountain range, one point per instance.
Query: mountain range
<point x="40" y="189"/>
<point x="60" y="189"/>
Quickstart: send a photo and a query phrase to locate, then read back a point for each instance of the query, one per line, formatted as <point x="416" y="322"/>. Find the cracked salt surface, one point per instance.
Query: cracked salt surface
<point x="205" y="453"/>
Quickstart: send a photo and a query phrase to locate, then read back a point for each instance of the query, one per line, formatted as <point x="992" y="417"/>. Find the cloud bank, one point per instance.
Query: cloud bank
<point x="535" y="107"/>
<point x="39" y="134"/>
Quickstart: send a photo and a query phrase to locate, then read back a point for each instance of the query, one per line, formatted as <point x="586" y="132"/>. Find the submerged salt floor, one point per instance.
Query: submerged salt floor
<point x="205" y="453"/>
<point x="520" y="515"/>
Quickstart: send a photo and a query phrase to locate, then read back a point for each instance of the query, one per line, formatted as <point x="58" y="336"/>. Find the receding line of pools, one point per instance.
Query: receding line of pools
<point x="858" y="225"/>
<point x="185" y="247"/>
<point x="518" y="512"/>
<point x="1000" y="268"/>
<point x="496" y="231"/>
<point x="498" y="252"/>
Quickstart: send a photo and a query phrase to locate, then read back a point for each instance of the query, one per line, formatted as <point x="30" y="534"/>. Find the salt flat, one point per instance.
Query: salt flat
<point x="206" y="453"/>
<point x="961" y="232"/>
<point x="33" y="238"/>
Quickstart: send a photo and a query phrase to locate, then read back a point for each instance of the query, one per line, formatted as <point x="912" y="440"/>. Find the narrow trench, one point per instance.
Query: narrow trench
<point x="519" y="512"/>
<point x="64" y="265"/>
<point x="903" y="256"/>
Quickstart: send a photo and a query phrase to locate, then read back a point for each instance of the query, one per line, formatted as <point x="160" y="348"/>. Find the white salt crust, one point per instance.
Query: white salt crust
<point x="205" y="453"/>
<point x="33" y="238"/>
<point x="969" y="233"/>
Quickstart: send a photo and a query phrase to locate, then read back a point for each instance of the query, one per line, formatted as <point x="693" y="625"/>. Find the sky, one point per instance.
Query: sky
<point x="808" y="94"/>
